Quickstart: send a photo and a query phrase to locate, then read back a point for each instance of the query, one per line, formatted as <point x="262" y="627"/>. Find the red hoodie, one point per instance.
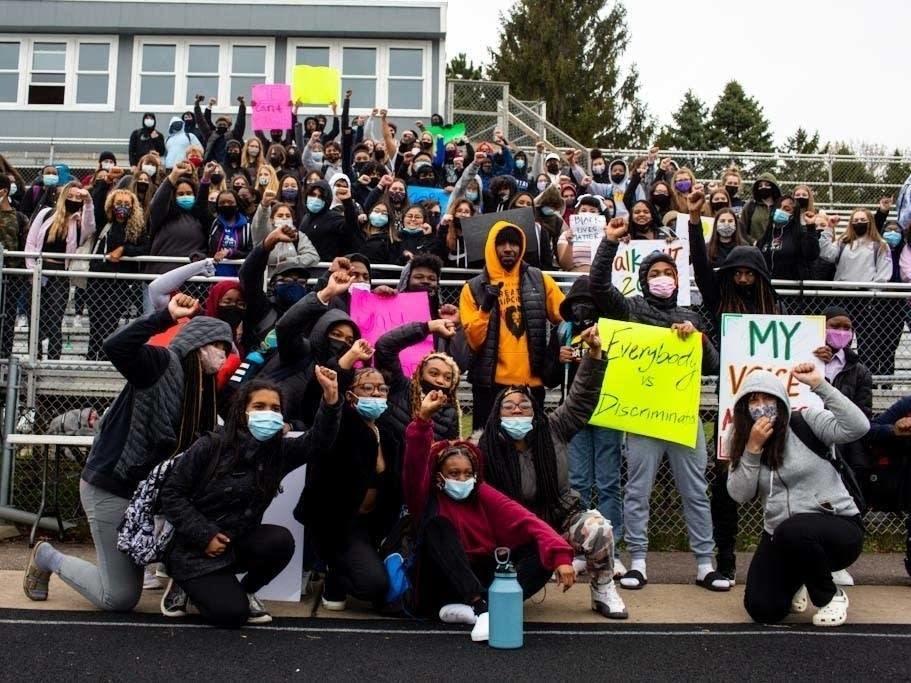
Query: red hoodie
<point x="488" y="519"/>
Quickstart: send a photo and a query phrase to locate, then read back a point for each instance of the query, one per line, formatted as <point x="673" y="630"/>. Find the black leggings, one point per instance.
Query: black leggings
<point x="220" y="598"/>
<point x="483" y="398"/>
<point x="355" y="567"/>
<point x="725" y="518"/>
<point x="805" y="550"/>
<point x="446" y="574"/>
<point x="54" y="296"/>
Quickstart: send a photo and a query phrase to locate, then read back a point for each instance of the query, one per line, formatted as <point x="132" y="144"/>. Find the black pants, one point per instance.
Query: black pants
<point x="355" y="567"/>
<point x="220" y="598"/>
<point x="446" y="574"/>
<point x="54" y="295"/>
<point x="14" y="288"/>
<point x="108" y="301"/>
<point x="805" y="550"/>
<point x="483" y="398"/>
<point x="725" y="518"/>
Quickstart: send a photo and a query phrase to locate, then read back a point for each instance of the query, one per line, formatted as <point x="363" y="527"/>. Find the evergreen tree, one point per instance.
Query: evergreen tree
<point x="896" y="174"/>
<point x="854" y="173"/>
<point x="793" y="171"/>
<point x="689" y="130"/>
<point x="568" y="53"/>
<point x="462" y="68"/>
<point x="738" y="123"/>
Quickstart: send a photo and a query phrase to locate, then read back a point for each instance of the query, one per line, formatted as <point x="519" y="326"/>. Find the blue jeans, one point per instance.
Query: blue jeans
<point x="594" y="463"/>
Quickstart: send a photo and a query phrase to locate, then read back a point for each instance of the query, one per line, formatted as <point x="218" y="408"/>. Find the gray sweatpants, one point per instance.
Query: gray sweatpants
<point x="115" y="584"/>
<point x="643" y="456"/>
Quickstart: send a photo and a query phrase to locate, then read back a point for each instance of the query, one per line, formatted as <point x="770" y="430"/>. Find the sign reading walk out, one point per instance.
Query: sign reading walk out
<point x="765" y="342"/>
<point x="653" y="381"/>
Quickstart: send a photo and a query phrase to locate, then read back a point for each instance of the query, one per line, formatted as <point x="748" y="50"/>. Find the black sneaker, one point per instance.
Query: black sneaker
<point x="727" y="567"/>
<point x="334" y="598"/>
<point x="174" y="602"/>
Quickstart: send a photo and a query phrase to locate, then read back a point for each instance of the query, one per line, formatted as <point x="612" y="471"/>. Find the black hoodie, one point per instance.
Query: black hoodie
<point x="144" y="140"/>
<point x="789" y="250"/>
<point x="329" y="231"/>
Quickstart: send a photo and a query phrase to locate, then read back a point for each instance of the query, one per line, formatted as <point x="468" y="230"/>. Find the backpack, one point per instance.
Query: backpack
<point x="828" y="453"/>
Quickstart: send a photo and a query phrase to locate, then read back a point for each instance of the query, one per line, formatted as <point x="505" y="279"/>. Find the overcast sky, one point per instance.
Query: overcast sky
<point x="838" y="66"/>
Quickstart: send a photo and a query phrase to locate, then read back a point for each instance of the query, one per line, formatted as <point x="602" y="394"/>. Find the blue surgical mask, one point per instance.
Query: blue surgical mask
<point x="780" y="217"/>
<point x="520" y="164"/>
<point x="516" y="428"/>
<point x="264" y="424"/>
<point x="547" y="211"/>
<point x="315" y="204"/>
<point x="379" y="220"/>
<point x="317" y="157"/>
<point x="413" y="232"/>
<point x="289" y="293"/>
<point x="458" y="490"/>
<point x="893" y="238"/>
<point x="370" y="407"/>
<point x="186" y="202"/>
<point x="50" y="180"/>
<point x="471" y="195"/>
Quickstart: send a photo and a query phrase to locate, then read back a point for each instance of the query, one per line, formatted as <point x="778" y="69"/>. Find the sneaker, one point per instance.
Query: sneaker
<point x="842" y="578"/>
<point x="150" y="582"/>
<point x="36" y="580"/>
<point x="161" y="572"/>
<point x="619" y="568"/>
<point x="607" y="602"/>
<point x="334" y="599"/>
<point x="258" y="613"/>
<point x="800" y="601"/>
<point x="174" y="602"/>
<point x="458" y="613"/>
<point x="580" y="566"/>
<point x="481" y="631"/>
<point x="833" y="614"/>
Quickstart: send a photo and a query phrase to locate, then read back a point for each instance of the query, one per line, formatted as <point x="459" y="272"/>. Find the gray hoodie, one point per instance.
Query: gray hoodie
<point x="804" y="482"/>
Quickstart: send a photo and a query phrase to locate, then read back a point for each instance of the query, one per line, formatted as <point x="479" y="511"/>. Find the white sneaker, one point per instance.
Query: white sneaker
<point x="800" y="601"/>
<point x="580" y="565"/>
<point x="150" y="582"/>
<point x="258" y="613"/>
<point x="481" y="631"/>
<point x="334" y="605"/>
<point x="607" y="602"/>
<point x="619" y="568"/>
<point x="458" y="613"/>
<point x="842" y="578"/>
<point x="833" y="614"/>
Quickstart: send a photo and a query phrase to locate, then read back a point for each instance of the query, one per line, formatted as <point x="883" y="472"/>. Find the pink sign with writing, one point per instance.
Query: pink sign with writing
<point x="272" y="108"/>
<point x="376" y="315"/>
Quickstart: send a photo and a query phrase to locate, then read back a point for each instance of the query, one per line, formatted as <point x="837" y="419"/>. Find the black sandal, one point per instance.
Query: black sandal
<point x="710" y="578"/>
<point x="635" y="574"/>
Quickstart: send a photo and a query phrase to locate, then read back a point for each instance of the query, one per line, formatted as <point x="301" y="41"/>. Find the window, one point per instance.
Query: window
<point x="52" y="72"/>
<point x="393" y="75"/>
<point x="169" y="74"/>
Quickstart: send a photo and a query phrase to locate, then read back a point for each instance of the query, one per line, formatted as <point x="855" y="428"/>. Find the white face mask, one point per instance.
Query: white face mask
<point x="212" y="357"/>
<point x="283" y="223"/>
<point x="107" y="165"/>
<point x="149" y="169"/>
<point x="13" y="188"/>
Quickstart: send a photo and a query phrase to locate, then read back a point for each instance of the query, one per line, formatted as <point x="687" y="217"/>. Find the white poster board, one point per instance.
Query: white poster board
<point x="625" y="268"/>
<point x="286" y="587"/>
<point x="588" y="227"/>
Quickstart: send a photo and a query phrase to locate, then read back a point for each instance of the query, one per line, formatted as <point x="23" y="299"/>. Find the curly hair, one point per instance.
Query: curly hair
<point x="135" y="226"/>
<point x="417" y="395"/>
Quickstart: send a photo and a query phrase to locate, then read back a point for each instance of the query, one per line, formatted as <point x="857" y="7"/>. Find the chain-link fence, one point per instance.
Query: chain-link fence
<point x="64" y="388"/>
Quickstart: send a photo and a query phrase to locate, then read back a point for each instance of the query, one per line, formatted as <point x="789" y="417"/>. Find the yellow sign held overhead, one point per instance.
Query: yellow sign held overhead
<point x="315" y="84"/>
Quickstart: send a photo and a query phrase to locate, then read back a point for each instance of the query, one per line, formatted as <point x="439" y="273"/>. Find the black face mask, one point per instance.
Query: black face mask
<point x="732" y="190"/>
<point x="553" y="169"/>
<point x="764" y="193"/>
<point x="337" y="348"/>
<point x="72" y="206"/>
<point x="661" y="201"/>
<point x="803" y="202"/>
<point x="221" y="130"/>
<point x="217" y="178"/>
<point x="231" y="315"/>
<point x="426" y="145"/>
<point x="584" y="315"/>
<point x="617" y="178"/>
<point x="374" y="182"/>
<point x="141" y="188"/>
<point x="275" y="161"/>
<point x="427" y="387"/>
<point x="860" y="229"/>
<point x="718" y="206"/>
<point x="233" y="155"/>
<point x="227" y="212"/>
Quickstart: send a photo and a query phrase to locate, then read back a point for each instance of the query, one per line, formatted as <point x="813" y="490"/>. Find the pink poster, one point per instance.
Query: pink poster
<point x="376" y="315"/>
<point x="272" y="108"/>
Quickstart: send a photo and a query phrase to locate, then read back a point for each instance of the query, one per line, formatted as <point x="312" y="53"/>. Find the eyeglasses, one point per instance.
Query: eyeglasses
<point x="512" y="405"/>
<point x="381" y="389"/>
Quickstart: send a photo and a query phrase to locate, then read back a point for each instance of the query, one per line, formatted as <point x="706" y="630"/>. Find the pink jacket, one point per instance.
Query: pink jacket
<point x="42" y="223"/>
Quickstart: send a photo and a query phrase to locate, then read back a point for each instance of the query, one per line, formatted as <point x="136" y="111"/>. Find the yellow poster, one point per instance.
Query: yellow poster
<point x="653" y="381"/>
<point x="315" y="84"/>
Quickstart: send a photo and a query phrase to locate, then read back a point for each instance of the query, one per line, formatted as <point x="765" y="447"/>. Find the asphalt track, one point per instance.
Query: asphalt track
<point x="53" y="646"/>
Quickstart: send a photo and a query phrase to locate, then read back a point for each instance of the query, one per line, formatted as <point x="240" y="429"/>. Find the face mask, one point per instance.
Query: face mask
<point x="148" y="123"/>
<point x="516" y="428"/>
<point x="413" y="232"/>
<point x="195" y="162"/>
<point x="186" y="202"/>
<point x="221" y="130"/>
<point x="72" y="206"/>
<point x="397" y="197"/>
<point x="547" y="211"/>
<point x="290" y="195"/>
<point x="683" y="185"/>
<point x="541" y="186"/>
<point x="231" y="315"/>
<point x="370" y="407"/>
<point x="520" y="164"/>
<point x="617" y="178"/>
<point x="49" y="180"/>
<point x="121" y="213"/>
<point x="253" y="152"/>
<point x="289" y="293"/>
<point x="264" y="424"/>
<point x="315" y="204"/>
<point x="227" y="212"/>
<point x="107" y="165"/>
<point x="726" y="229"/>
<point x="217" y="178"/>
<point x="471" y="195"/>
<point x="426" y="145"/>
<point x="13" y="189"/>
<point x="263" y="181"/>
<point x="234" y="155"/>
<point x="803" y="202"/>
<point x="584" y="315"/>
<point x="732" y="190"/>
<point x="317" y="157"/>
<point x="769" y="410"/>
<point x="860" y="229"/>
<point x="283" y="223"/>
<point x="662" y="286"/>
<point x="141" y="188"/>
<point x="379" y="220"/>
<point x="839" y="339"/>
<point x="374" y="182"/>
<point x="764" y="193"/>
<point x="150" y="169"/>
<point x="504" y="196"/>
<point x="275" y="161"/>
<point x="212" y="206"/>
<point x="597" y="169"/>
<point x="893" y="238"/>
<point x="661" y="201"/>
<point x="427" y="387"/>
<point x="780" y="217"/>
<point x="212" y="357"/>
<point x="553" y="169"/>
<point x="718" y="206"/>
<point x="458" y="490"/>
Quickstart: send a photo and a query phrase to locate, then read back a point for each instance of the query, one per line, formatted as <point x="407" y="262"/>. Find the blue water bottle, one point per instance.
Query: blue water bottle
<point x="505" y="600"/>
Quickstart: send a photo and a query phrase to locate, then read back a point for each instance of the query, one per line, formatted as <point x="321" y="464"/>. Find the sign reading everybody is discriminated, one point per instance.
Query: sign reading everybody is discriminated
<point x="653" y="381"/>
<point x="765" y="342"/>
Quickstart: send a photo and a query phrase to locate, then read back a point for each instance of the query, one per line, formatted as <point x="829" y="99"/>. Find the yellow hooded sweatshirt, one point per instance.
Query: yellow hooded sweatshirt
<point x="513" y="362"/>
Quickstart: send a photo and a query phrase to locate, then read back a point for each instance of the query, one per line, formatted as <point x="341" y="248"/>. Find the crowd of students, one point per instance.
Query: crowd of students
<point x="266" y="377"/>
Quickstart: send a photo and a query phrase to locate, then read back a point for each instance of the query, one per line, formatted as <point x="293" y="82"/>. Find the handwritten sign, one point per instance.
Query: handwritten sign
<point x="419" y="194"/>
<point x="476" y="228"/>
<point x="625" y="269"/>
<point x="652" y="383"/>
<point x="272" y="110"/>
<point x="765" y="342"/>
<point x="376" y="315"/>
<point x="315" y="84"/>
<point x="683" y="227"/>
<point x="453" y="131"/>
<point x="588" y="227"/>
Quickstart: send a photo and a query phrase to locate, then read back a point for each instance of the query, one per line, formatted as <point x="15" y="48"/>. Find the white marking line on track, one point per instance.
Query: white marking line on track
<point x="430" y="632"/>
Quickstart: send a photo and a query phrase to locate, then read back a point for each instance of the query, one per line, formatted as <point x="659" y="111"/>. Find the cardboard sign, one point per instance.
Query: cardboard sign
<point x="419" y="194"/>
<point x="765" y="342"/>
<point x="625" y="268"/>
<point x="476" y="228"/>
<point x="375" y="315"/>
<point x="653" y="382"/>
<point x="272" y="110"/>
<point x="588" y="227"/>
<point x="315" y="84"/>
<point x="453" y="131"/>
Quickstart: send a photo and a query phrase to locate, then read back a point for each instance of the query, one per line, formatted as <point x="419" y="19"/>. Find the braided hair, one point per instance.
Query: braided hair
<point x="417" y="394"/>
<point x="502" y="460"/>
<point x="730" y="300"/>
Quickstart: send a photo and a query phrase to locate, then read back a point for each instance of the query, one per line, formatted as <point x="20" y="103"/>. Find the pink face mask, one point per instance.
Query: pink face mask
<point x="838" y="339"/>
<point x="662" y="286"/>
